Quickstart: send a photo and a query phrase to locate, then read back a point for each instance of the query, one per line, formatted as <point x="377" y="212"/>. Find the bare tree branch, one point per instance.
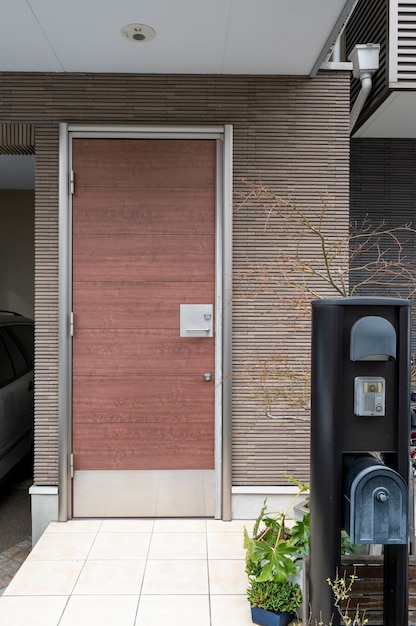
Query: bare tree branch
<point x="323" y="263"/>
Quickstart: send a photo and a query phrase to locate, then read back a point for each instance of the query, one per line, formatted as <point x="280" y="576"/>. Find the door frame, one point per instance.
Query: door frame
<point x="223" y="305"/>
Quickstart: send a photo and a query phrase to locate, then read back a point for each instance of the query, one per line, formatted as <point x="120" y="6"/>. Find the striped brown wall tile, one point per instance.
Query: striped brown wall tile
<point x="46" y="305"/>
<point x="292" y="133"/>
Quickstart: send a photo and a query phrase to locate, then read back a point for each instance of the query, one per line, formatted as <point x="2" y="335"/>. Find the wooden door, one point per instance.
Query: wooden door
<point x="143" y="215"/>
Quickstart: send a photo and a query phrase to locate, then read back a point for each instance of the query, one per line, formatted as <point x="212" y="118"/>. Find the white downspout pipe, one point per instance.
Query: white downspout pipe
<point x="365" y="60"/>
<point x="366" y="84"/>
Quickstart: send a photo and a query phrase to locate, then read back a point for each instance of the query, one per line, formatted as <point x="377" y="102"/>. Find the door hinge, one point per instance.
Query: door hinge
<point x="71" y="465"/>
<point x="71" y="324"/>
<point x="72" y="183"/>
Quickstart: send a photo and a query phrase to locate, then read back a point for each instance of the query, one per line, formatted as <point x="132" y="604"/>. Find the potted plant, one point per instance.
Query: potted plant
<point x="274" y="556"/>
<point x="273" y="603"/>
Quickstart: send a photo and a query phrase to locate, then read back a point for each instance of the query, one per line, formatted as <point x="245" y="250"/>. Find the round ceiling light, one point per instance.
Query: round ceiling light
<point x="138" y="32"/>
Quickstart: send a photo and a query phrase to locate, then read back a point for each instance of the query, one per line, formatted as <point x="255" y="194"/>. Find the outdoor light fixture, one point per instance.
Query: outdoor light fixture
<point x="365" y="60"/>
<point x="139" y="33"/>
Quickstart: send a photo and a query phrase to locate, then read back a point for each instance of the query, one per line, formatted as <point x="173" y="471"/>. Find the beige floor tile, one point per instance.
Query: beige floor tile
<point x="127" y="526"/>
<point x="180" y="525"/>
<point x="178" y="546"/>
<point x="230" y="610"/>
<point x="100" y="611"/>
<point x="102" y="563"/>
<point x="47" y="578"/>
<point x="31" y="611"/>
<point x="235" y="526"/>
<point x="174" y="611"/>
<point x="176" y="577"/>
<point x="78" y="526"/>
<point x="120" y="546"/>
<point x="225" y="546"/>
<point x="110" y="577"/>
<point x="227" y="577"/>
<point x="62" y="546"/>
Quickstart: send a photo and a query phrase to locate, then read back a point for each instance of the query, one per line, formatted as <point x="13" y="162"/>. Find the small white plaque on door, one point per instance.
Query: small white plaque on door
<point x="196" y="320"/>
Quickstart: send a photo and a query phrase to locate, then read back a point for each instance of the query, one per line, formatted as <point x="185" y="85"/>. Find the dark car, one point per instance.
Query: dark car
<point x="16" y="389"/>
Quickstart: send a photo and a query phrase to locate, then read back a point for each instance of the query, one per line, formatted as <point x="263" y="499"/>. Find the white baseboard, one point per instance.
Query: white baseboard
<point x="44" y="502"/>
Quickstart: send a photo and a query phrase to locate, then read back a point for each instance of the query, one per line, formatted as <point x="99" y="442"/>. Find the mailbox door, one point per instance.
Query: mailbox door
<point x="378" y="507"/>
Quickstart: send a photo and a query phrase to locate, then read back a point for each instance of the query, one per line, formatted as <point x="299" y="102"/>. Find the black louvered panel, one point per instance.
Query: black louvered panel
<point x="383" y="187"/>
<point x="17" y="139"/>
<point x="369" y="24"/>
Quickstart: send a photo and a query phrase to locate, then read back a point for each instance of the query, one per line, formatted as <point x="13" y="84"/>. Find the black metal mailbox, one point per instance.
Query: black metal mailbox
<point x="375" y="502"/>
<point x="360" y="406"/>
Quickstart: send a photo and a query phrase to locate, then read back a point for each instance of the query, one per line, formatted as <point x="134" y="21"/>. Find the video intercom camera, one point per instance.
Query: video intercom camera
<point x="369" y="395"/>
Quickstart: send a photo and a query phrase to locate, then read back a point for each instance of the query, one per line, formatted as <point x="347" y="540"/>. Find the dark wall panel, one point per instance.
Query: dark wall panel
<point x="383" y="189"/>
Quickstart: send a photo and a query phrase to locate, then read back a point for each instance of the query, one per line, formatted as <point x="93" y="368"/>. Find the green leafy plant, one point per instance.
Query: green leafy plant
<point x="274" y="596"/>
<point x="273" y="551"/>
<point x="347" y="547"/>
<point x="273" y="554"/>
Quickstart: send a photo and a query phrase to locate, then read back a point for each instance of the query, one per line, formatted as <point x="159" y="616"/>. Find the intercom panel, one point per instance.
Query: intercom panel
<point x="369" y="396"/>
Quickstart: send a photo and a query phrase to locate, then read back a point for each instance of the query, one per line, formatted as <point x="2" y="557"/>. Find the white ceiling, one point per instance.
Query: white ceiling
<point x="192" y="36"/>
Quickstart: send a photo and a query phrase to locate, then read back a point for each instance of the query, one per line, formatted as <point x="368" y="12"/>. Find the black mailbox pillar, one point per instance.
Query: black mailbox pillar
<point x="360" y="410"/>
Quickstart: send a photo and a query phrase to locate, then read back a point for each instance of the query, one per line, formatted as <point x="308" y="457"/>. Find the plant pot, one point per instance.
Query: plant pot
<point x="268" y="618"/>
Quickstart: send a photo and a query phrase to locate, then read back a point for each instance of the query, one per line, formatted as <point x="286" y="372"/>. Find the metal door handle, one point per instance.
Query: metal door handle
<point x="198" y="330"/>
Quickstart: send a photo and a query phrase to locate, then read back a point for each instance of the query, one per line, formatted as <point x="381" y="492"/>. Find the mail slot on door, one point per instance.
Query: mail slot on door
<point x="196" y="320"/>
<point x="375" y="502"/>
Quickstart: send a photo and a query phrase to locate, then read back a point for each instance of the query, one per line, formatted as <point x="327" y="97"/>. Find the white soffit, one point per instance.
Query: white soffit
<point x="395" y="118"/>
<point x="192" y="36"/>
